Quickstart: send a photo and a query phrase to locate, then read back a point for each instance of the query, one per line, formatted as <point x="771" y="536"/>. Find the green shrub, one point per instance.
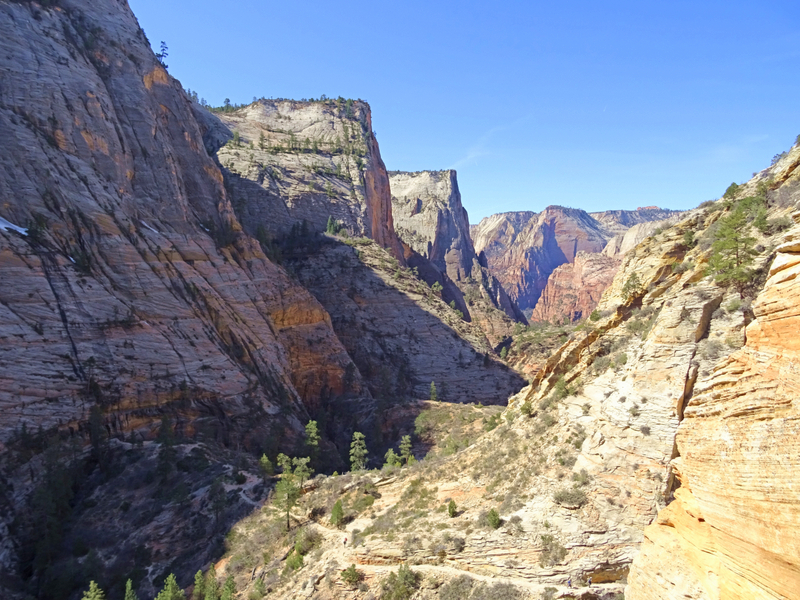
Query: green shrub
<point x="306" y="541"/>
<point x="527" y="408"/>
<point x="493" y="519"/>
<point x="730" y="193"/>
<point x="733" y="305"/>
<point x="352" y="576"/>
<point x="620" y="359"/>
<point x="456" y="589"/>
<point x="581" y="478"/>
<point x="595" y="316"/>
<point x="570" y="497"/>
<point x="634" y="411"/>
<point x="294" y="561"/>
<point x="400" y="585"/>
<point x="337" y="514"/>
<point x="452" y="510"/>
<point x="632" y="288"/>
<point x="601" y="364"/>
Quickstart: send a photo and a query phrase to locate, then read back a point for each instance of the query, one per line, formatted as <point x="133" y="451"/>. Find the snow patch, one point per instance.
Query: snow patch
<point x="10" y="226"/>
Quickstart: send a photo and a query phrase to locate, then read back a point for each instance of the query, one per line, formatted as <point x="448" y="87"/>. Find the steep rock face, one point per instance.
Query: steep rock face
<point x="574" y="289"/>
<point x="401" y="335"/>
<point x="429" y="217"/>
<point x="636" y="234"/>
<point x="431" y="220"/>
<point x="305" y="161"/>
<point x="732" y="531"/>
<point x="523" y="249"/>
<point x="616" y="222"/>
<point x="133" y="290"/>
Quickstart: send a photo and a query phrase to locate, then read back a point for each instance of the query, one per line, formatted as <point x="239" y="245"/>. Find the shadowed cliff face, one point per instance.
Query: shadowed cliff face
<point x="134" y="290"/>
<point x="430" y="218"/>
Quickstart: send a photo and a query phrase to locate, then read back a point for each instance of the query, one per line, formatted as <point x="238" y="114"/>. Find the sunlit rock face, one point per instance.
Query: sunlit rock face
<point x="733" y="529"/>
<point x="431" y="220"/>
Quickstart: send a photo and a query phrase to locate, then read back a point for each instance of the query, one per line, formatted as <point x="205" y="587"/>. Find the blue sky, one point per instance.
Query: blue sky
<point x="595" y="105"/>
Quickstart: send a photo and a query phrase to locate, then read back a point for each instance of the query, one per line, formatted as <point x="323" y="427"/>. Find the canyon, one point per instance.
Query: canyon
<point x="523" y="249"/>
<point x="591" y="412"/>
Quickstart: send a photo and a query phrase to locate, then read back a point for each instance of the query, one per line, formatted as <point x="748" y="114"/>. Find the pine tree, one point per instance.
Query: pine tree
<point x="405" y="448"/>
<point x="392" y="460"/>
<point x="434" y="396"/>
<point x="267" y="468"/>
<point x="301" y="469"/>
<point x="452" y="510"/>
<point x="199" y="592"/>
<point x="312" y="439"/>
<point x="217" y="497"/>
<point x="171" y="590"/>
<point x="337" y="514"/>
<point x="129" y="593"/>
<point x="94" y="592"/>
<point x="228" y="589"/>
<point x="211" y="587"/>
<point x="287" y="492"/>
<point x="358" y="452"/>
<point x="732" y="252"/>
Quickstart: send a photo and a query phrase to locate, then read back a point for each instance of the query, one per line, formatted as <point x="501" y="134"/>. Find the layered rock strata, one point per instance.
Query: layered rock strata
<point x="288" y="162"/>
<point x="574" y="289"/>
<point x="732" y="530"/>
<point x="523" y="249"/>
<point x="431" y="220"/>
<point x="129" y="291"/>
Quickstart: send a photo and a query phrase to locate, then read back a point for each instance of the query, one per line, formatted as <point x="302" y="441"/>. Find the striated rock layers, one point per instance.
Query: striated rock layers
<point x="733" y="530"/>
<point x="429" y="218"/>
<point x="574" y="289"/>
<point x="134" y="287"/>
<point x="290" y="161"/>
<point x="523" y="249"/>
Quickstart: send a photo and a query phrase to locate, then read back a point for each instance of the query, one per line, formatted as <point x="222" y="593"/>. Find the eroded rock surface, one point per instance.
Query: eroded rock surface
<point x="574" y="289"/>
<point x="732" y="530"/>
<point x="430" y="218"/>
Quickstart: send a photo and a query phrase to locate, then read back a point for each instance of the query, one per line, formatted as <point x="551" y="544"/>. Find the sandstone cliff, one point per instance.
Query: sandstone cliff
<point x="732" y="530"/>
<point x="429" y="217"/>
<point x="296" y="161"/>
<point x="523" y="249"/>
<point x="615" y="222"/>
<point x="574" y="289"/>
<point x="431" y="220"/>
<point x="130" y="293"/>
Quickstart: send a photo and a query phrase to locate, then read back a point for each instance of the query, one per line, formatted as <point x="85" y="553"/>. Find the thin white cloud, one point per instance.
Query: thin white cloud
<point x="480" y="147"/>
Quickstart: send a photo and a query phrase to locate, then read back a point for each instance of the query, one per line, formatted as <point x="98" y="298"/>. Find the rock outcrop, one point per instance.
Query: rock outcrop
<point x="288" y="161"/>
<point x="732" y="530"/>
<point x="401" y="334"/>
<point x="615" y="222"/>
<point x="429" y="218"/>
<point x="523" y="249"/>
<point x="574" y="289"/>
<point x="628" y="240"/>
